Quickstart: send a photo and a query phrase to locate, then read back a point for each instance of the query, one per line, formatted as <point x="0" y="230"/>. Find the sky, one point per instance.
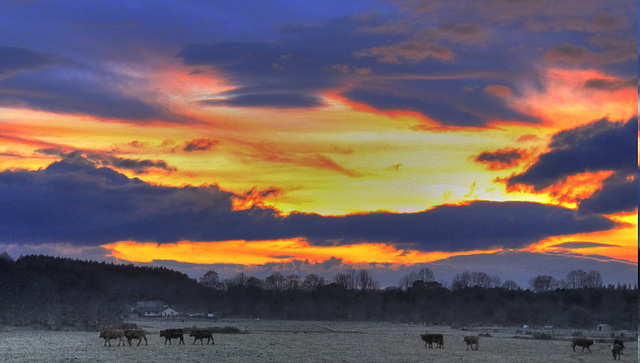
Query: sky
<point x="498" y="136"/>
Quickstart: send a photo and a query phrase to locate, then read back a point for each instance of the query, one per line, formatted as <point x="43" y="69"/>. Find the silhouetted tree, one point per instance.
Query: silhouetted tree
<point x="275" y="282"/>
<point x="346" y="280"/>
<point x="212" y="280"/>
<point x="542" y="283"/>
<point x="510" y="285"/>
<point x="4" y="257"/>
<point x="576" y="279"/>
<point x="312" y="282"/>
<point x="365" y="281"/>
<point x="461" y="281"/>
<point x="425" y="275"/>
<point x="292" y="282"/>
<point x="593" y="280"/>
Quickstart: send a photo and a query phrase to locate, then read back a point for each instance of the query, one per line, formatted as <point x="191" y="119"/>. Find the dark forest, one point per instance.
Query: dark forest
<point x="60" y="293"/>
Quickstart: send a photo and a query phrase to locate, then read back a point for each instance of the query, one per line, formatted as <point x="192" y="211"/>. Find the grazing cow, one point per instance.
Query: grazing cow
<point x="169" y="334"/>
<point x="429" y="339"/>
<point x="620" y="343"/>
<point x="471" y="341"/>
<point x="112" y="334"/>
<point x="201" y="334"/>
<point x="581" y="342"/>
<point x="136" y="334"/>
<point x="616" y="350"/>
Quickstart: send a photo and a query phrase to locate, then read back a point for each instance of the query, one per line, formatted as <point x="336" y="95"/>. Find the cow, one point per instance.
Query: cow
<point x="616" y="350"/>
<point x="581" y="342"/>
<point x="472" y="340"/>
<point x="136" y="334"/>
<point x="112" y="334"/>
<point x="201" y="334"/>
<point x="429" y="339"/>
<point x="620" y="343"/>
<point x="169" y="334"/>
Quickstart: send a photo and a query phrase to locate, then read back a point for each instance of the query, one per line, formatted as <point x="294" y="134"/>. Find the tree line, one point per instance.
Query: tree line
<point x="363" y="280"/>
<point x="60" y="293"/>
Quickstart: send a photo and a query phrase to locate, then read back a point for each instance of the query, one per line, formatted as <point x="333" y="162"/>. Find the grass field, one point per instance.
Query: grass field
<point x="299" y="341"/>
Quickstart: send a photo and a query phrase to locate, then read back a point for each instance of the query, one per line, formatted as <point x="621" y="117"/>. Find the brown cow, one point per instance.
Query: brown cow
<point x="201" y="334"/>
<point x="472" y="340"/>
<point x="112" y="334"/>
<point x="169" y="334"/>
<point x="136" y="334"/>
<point x="616" y="350"/>
<point x="581" y="342"/>
<point x="429" y="339"/>
<point x="620" y="342"/>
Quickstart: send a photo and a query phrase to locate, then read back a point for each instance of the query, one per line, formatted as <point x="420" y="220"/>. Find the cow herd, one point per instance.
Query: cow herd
<point x="167" y="334"/>
<point x="473" y="341"/>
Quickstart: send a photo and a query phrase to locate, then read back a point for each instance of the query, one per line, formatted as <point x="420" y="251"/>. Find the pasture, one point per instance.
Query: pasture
<point x="299" y="341"/>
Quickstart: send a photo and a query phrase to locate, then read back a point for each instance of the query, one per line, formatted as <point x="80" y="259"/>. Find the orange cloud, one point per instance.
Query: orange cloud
<point x="621" y="242"/>
<point x="261" y="252"/>
<point x="569" y="192"/>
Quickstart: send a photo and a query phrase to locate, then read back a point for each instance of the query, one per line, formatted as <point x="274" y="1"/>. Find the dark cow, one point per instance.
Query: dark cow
<point x="616" y="350"/>
<point x="429" y="339"/>
<point x="136" y="334"/>
<point x="620" y="343"/>
<point x="169" y="334"/>
<point x="581" y="342"/>
<point x="201" y="334"/>
<point x="472" y="340"/>
<point x="112" y="334"/>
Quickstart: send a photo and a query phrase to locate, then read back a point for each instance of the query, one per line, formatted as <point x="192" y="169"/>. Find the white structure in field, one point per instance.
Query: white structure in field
<point x="169" y="312"/>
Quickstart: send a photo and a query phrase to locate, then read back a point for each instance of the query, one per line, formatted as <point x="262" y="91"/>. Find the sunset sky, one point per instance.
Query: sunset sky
<point x="316" y="136"/>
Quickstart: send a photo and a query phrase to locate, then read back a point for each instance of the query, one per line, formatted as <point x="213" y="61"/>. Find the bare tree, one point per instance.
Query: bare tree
<point x="481" y="279"/>
<point x="510" y="285"/>
<point x="212" y="280"/>
<point x="594" y="279"/>
<point x="346" y="279"/>
<point x="365" y="281"/>
<point x="576" y="279"/>
<point x="292" y="282"/>
<point x="425" y="275"/>
<point x="542" y="283"/>
<point x="312" y="282"/>
<point x="461" y="281"/>
<point x="275" y="282"/>
<point x="407" y="280"/>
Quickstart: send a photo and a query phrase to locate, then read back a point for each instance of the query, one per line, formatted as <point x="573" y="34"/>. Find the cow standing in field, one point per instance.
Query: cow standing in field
<point x="616" y="350"/>
<point x="620" y="343"/>
<point x="201" y="334"/>
<point x="429" y="339"/>
<point x="169" y="334"/>
<point x="107" y="335"/>
<point x="136" y="334"/>
<point x="581" y="342"/>
<point x="471" y="341"/>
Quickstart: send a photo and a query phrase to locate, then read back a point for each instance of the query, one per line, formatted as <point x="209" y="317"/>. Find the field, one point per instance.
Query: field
<point x="300" y="341"/>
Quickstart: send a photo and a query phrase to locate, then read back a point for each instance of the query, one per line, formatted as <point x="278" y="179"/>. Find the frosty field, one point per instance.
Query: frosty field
<point x="299" y="341"/>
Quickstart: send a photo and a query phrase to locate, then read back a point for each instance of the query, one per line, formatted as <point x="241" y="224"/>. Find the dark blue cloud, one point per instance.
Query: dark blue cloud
<point x="300" y="62"/>
<point x="72" y="201"/>
<point x="598" y="146"/>
<point x="62" y="91"/>
<point x="105" y="159"/>
<point x="601" y="145"/>
<point x="267" y="100"/>
<point x="14" y="60"/>
<point x="286" y="54"/>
